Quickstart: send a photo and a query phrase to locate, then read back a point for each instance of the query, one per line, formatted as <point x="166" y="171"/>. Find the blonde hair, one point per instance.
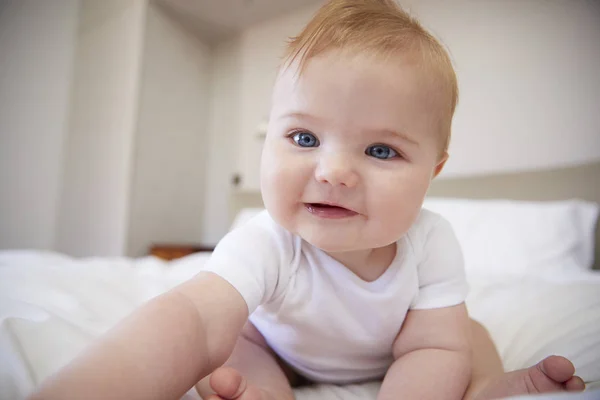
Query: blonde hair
<point x="381" y="27"/>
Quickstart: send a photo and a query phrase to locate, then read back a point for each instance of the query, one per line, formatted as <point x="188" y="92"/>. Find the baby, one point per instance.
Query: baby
<point x="345" y="278"/>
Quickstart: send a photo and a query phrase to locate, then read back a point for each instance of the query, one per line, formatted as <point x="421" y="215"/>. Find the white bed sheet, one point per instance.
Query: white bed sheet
<point x="52" y="306"/>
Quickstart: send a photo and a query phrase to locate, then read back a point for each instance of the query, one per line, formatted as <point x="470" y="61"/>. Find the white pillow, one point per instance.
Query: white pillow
<point x="501" y="237"/>
<point x="530" y="319"/>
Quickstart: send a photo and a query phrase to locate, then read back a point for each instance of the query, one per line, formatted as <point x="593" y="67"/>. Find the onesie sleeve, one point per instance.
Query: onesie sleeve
<point x="441" y="272"/>
<point x="252" y="259"/>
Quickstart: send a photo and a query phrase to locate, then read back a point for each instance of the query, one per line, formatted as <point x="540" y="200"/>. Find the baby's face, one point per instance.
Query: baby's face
<point x="350" y="151"/>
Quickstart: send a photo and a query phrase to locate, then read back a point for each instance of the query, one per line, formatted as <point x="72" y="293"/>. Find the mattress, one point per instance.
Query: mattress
<point x="52" y="306"/>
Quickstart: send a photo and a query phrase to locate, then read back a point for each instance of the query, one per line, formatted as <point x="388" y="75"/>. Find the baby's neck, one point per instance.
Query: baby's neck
<point x="367" y="264"/>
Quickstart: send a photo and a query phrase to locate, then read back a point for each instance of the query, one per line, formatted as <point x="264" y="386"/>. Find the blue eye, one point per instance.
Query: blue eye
<point x="381" y="152"/>
<point x="305" y="139"/>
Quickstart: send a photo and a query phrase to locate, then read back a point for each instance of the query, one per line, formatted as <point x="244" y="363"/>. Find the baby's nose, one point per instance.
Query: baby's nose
<point x="336" y="169"/>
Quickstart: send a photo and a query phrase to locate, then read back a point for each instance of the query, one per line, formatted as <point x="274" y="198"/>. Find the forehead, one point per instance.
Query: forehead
<point x="359" y="90"/>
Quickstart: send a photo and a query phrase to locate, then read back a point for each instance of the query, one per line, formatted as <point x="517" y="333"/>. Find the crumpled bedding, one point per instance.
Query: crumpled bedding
<point x="52" y="306"/>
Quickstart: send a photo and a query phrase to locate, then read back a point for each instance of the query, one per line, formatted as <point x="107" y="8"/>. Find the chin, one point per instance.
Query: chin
<point x="330" y="242"/>
<point x="336" y="243"/>
<point x="332" y="246"/>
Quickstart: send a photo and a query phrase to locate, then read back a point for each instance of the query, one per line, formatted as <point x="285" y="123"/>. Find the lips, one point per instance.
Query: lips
<point x="329" y="210"/>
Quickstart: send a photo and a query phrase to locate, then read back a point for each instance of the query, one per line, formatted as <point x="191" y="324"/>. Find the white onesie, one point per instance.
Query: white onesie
<point x="321" y="318"/>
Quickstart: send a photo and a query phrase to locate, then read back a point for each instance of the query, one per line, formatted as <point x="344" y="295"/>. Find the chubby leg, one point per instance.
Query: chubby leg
<point x="251" y="373"/>
<point x="489" y="381"/>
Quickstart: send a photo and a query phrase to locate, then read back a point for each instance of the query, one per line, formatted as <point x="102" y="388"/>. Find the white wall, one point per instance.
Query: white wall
<point x="223" y="138"/>
<point x="37" y="40"/>
<point x="93" y="214"/>
<point x="171" y="143"/>
<point x="528" y="75"/>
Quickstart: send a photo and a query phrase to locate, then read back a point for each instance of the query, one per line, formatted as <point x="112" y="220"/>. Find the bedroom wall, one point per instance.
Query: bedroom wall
<point x="93" y="212"/>
<point x="37" y="41"/>
<point x="103" y="114"/>
<point x="167" y="189"/>
<point x="223" y="129"/>
<point x="527" y="73"/>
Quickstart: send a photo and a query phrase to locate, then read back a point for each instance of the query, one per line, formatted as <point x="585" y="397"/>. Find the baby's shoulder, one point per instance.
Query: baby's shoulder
<point x="260" y="231"/>
<point x="260" y="222"/>
<point x="428" y="225"/>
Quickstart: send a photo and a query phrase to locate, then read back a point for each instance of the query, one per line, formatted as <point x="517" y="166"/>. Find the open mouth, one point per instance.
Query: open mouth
<point x="329" y="210"/>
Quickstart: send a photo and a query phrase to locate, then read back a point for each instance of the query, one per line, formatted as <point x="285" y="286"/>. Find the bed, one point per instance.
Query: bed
<point x="530" y="244"/>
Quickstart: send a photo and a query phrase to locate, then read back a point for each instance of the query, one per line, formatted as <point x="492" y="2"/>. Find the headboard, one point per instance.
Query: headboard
<point x="581" y="182"/>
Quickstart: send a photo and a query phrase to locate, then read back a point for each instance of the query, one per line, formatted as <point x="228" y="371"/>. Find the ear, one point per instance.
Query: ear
<point x="440" y="165"/>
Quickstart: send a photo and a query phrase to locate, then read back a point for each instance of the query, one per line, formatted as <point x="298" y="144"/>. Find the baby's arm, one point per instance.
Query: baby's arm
<point x="432" y="356"/>
<point x="161" y="350"/>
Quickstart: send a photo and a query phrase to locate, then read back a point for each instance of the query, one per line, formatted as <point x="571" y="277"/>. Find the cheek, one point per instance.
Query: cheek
<point x="283" y="175"/>
<point x="398" y="198"/>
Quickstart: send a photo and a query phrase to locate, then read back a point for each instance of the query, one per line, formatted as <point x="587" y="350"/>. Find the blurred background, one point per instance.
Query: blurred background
<point x="126" y="123"/>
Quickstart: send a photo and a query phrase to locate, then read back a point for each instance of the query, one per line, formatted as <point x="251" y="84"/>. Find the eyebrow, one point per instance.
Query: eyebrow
<point x="300" y="115"/>
<point x="399" y="134"/>
<point x="388" y="132"/>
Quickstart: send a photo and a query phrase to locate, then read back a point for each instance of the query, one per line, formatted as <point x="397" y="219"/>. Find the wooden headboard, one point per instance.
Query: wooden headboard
<point x="580" y="182"/>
